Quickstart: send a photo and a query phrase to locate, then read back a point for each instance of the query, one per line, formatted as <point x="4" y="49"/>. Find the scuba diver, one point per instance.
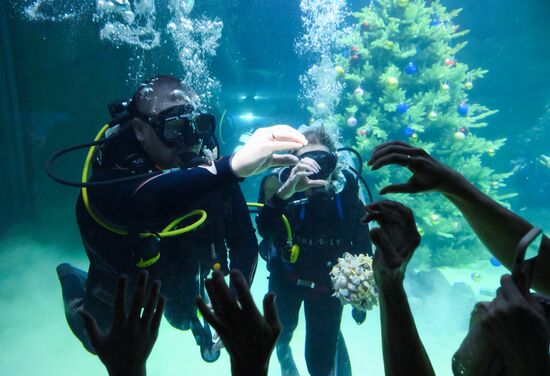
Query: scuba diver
<point x="320" y="199"/>
<point x="160" y="199"/>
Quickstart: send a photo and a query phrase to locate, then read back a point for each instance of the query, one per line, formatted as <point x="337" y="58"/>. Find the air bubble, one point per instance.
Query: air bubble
<point x="323" y="22"/>
<point x="178" y="95"/>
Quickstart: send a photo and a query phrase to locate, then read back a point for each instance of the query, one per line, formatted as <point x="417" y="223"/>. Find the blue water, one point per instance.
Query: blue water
<point x="58" y="74"/>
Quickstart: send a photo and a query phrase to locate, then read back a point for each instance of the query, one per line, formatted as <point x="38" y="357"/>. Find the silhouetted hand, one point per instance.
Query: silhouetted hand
<point x="395" y="239"/>
<point x="428" y="173"/>
<point x="125" y="350"/>
<point x="258" y="154"/>
<point x="476" y="356"/>
<point x="248" y="336"/>
<point x="515" y="324"/>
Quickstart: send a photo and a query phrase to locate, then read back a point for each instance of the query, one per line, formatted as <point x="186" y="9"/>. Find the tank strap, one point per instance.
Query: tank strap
<point x="339" y="206"/>
<point x="302" y="212"/>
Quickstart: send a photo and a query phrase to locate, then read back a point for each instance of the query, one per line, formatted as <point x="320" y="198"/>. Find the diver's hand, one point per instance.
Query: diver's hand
<point x="125" y="350"/>
<point x="248" y="336"/>
<point x="516" y="326"/>
<point x="428" y="173"/>
<point x="258" y="154"/>
<point x="395" y="239"/>
<point x="298" y="181"/>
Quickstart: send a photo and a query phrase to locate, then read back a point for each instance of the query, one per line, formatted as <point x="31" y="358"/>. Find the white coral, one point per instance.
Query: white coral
<point x="353" y="281"/>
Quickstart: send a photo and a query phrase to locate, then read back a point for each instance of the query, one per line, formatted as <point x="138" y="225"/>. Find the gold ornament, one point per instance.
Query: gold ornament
<point x="392" y="82"/>
<point x="459" y="136"/>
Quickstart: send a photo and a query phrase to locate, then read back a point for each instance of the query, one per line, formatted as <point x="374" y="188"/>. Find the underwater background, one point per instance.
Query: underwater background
<point x="63" y="62"/>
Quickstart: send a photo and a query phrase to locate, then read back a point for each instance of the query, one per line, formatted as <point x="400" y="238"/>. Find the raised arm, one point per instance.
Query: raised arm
<point x="240" y="235"/>
<point x="498" y="228"/>
<point x="395" y="241"/>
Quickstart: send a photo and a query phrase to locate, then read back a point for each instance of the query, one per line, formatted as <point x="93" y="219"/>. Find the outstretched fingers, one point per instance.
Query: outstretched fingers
<point x="271" y="315"/>
<point x="151" y="304"/>
<point x="276" y="145"/>
<point x="383" y="246"/>
<point x="243" y="291"/>
<point x="225" y="297"/>
<point x="398" y="159"/>
<point x="157" y="316"/>
<point x="120" y="300"/>
<point x="210" y="316"/>
<point x="94" y="333"/>
<point x="392" y="143"/>
<point x="395" y="148"/>
<point x="283" y="160"/>
<point x="137" y="300"/>
<point x="286" y="133"/>
<point x="316" y="183"/>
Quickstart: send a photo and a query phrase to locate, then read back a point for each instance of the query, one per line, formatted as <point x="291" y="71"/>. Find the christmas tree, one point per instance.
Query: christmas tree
<point x="402" y="80"/>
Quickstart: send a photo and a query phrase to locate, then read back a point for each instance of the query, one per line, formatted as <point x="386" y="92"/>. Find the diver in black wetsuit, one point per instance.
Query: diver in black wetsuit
<point x="165" y="132"/>
<point x="321" y="202"/>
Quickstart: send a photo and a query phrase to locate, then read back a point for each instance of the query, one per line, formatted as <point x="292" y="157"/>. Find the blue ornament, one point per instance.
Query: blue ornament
<point x="346" y="53"/>
<point x="495" y="262"/>
<point x="463" y="109"/>
<point x="435" y="23"/>
<point x="408" y="131"/>
<point x="402" y="107"/>
<point x="411" y="68"/>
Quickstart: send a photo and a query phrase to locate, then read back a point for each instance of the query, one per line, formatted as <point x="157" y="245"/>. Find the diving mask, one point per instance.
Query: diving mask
<point x="181" y="126"/>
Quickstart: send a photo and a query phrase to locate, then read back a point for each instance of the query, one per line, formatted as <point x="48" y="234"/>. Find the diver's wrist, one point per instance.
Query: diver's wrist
<point x="284" y="193"/>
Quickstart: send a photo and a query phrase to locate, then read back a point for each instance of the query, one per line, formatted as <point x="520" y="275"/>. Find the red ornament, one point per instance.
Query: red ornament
<point x="450" y="62"/>
<point x="464" y="130"/>
<point x="355" y="57"/>
<point x="355" y="49"/>
<point x="363" y="132"/>
<point x="365" y="25"/>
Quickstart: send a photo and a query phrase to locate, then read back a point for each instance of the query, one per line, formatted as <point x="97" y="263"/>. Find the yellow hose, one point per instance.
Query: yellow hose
<point x="294" y="248"/>
<point x="165" y="233"/>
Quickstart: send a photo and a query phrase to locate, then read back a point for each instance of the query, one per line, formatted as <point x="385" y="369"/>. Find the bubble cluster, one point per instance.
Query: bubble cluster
<point x="196" y="41"/>
<point x="135" y="23"/>
<point x="323" y="22"/>
<point x="320" y="88"/>
<point x="52" y="10"/>
<point x="122" y="24"/>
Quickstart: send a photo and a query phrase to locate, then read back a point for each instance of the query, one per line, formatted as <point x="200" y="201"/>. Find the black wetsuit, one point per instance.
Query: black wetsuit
<point x="150" y="205"/>
<point x="324" y="231"/>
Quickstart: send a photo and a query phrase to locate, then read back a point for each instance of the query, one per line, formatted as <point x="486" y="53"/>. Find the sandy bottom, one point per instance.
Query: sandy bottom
<point x="35" y="338"/>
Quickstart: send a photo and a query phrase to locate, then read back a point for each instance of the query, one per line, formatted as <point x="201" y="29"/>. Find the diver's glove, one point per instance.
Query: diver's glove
<point x="358" y="315"/>
<point x="257" y="155"/>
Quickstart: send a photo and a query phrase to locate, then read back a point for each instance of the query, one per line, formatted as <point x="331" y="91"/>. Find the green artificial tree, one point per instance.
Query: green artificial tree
<point x="402" y="80"/>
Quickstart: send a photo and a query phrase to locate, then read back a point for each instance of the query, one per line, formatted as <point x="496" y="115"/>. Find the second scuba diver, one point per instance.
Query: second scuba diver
<point x="156" y="162"/>
<point x="320" y="199"/>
